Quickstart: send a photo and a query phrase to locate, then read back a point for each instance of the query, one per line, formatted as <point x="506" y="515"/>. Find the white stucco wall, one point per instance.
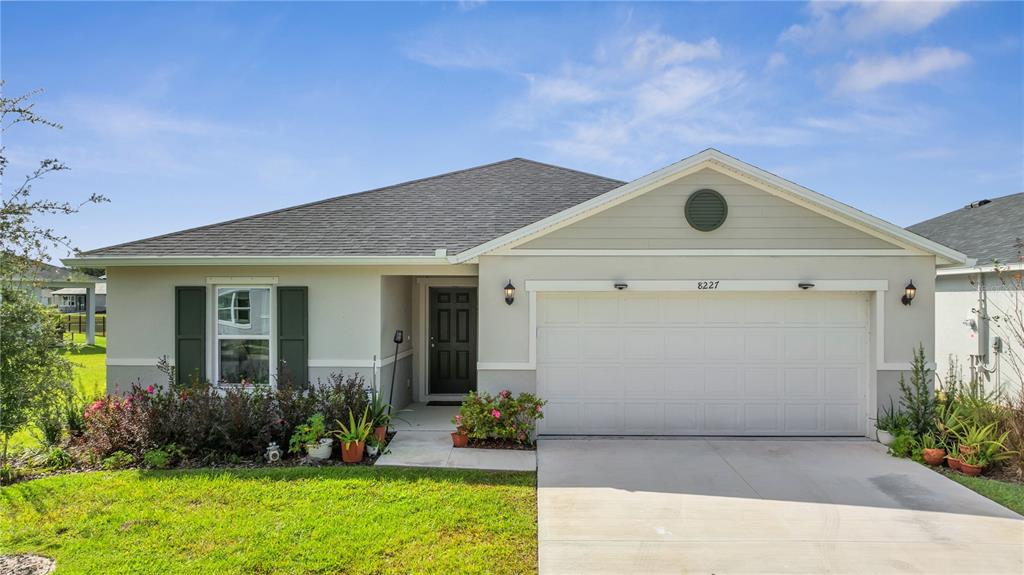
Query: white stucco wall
<point x="959" y="332"/>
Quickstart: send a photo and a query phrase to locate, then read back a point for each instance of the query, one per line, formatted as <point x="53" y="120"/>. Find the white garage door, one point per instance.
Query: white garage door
<point x="698" y="363"/>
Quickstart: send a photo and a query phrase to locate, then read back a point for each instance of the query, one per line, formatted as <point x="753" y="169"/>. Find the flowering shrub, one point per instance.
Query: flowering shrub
<point x="483" y="416"/>
<point x="210" y="422"/>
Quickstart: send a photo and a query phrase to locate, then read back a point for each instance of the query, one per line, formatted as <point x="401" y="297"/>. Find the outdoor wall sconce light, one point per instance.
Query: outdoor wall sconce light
<point x="805" y="285"/>
<point x="908" y="293"/>
<point x="510" y="292"/>
<point x="621" y="285"/>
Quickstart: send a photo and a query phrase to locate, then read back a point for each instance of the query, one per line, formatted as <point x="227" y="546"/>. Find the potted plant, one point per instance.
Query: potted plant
<point x="460" y="437"/>
<point x="971" y="464"/>
<point x="380" y="415"/>
<point x="953" y="457"/>
<point x="888" y="423"/>
<point x="312" y="436"/>
<point x="353" y="436"/>
<point x="931" y="451"/>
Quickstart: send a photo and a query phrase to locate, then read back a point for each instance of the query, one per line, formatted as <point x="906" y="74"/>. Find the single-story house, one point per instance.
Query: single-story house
<point x="708" y="297"/>
<point x="74" y="299"/>
<point x="974" y="302"/>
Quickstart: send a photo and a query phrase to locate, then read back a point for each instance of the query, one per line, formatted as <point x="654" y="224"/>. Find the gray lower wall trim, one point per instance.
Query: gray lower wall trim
<point x="518" y="381"/>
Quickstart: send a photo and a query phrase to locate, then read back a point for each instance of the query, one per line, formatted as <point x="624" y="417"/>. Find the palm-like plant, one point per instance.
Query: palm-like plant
<point x="355" y="431"/>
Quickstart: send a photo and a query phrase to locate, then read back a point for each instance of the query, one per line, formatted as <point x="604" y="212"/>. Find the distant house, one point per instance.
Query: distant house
<point x="968" y="297"/>
<point x="73" y="299"/>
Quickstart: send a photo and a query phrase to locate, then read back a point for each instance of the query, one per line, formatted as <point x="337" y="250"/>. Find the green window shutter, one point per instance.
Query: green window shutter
<point x="190" y="333"/>
<point x="293" y="336"/>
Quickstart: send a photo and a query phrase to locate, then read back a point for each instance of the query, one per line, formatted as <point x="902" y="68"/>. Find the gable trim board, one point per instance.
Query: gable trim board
<point x="756" y="177"/>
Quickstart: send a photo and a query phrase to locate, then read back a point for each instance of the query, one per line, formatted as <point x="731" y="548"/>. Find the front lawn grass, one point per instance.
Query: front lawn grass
<point x="1010" y="495"/>
<point x="276" y="520"/>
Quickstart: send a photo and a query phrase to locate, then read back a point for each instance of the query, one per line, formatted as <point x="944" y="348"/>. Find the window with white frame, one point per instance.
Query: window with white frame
<point x="243" y="335"/>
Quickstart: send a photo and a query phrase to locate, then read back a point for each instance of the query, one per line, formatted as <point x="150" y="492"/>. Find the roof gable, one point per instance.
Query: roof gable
<point x="756" y="220"/>
<point x="718" y="161"/>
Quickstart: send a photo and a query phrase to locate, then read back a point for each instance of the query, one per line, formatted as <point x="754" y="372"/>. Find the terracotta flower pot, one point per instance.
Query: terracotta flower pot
<point x="968" y="449"/>
<point x="968" y="469"/>
<point x="933" y="456"/>
<point x="460" y="439"/>
<point x="353" y="451"/>
<point x="381" y="433"/>
<point x="953" y="463"/>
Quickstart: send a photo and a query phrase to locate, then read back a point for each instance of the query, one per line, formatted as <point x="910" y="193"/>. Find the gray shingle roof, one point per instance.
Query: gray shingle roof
<point x="457" y="211"/>
<point x="988" y="231"/>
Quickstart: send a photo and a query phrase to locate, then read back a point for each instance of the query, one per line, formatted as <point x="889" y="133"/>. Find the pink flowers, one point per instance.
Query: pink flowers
<point x="495" y="414"/>
<point x="458" y="420"/>
<point x="150" y="389"/>
<point x="505" y="394"/>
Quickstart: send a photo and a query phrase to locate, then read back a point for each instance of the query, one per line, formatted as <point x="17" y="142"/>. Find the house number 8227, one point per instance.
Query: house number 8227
<point x="707" y="285"/>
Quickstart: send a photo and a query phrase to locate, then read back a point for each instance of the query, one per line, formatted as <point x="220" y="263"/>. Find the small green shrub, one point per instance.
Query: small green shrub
<point x="308" y="433"/>
<point x="117" y="460"/>
<point x="164" y="457"/>
<point x="8" y="474"/>
<point x="917" y="401"/>
<point x="55" y="457"/>
<point x="903" y="445"/>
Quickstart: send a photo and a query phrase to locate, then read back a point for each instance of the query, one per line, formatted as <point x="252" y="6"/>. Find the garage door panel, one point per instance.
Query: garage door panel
<point x="684" y="344"/>
<point x="692" y="363"/>
<point x="641" y="344"/>
<point x="602" y="417"/>
<point x="842" y="418"/>
<point x="599" y="344"/>
<point x="722" y="418"/>
<point x="603" y="381"/>
<point x="802" y="346"/>
<point x="762" y="418"/>
<point x="566" y="381"/>
<point x="647" y="382"/>
<point x="762" y="345"/>
<point x="600" y="309"/>
<point x="761" y="382"/>
<point x="677" y="310"/>
<point x="683" y="418"/>
<point x="640" y="310"/>
<point x="684" y="382"/>
<point x="802" y="382"/>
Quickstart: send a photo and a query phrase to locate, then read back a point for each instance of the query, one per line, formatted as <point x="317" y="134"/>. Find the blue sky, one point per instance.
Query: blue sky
<point x="187" y="114"/>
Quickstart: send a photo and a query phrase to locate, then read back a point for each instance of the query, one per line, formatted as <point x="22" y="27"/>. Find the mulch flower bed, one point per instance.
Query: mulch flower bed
<point x="501" y="444"/>
<point x="334" y="461"/>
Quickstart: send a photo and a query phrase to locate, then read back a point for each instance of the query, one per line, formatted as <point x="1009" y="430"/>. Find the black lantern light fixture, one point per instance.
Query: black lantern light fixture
<point x="908" y="293"/>
<point x="510" y="292"/>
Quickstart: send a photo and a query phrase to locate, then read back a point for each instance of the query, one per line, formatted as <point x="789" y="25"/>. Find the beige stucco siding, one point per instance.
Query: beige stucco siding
<point x="353" y="314"/>
<point x="756" y="220"/>
<point x="396" y="314"/>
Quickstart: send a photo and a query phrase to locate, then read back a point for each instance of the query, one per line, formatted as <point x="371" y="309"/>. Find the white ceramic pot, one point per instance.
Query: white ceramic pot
<point x="371" y="450"/>
<point x="321" y="450"/>
<point x="884" y="437"/>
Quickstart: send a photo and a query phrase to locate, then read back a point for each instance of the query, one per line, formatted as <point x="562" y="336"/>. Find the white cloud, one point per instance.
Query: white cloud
<point x="869" y="74"/>
<point x="830" y="24"/>
<point x="776" y="61"/>
<point x="562" y="89"/>
<point x="449" y="55"/>
<point x="655" y="50"/>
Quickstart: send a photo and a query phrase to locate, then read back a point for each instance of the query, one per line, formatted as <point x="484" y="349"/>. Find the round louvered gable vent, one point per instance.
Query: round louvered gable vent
<point x="706" y="210"/>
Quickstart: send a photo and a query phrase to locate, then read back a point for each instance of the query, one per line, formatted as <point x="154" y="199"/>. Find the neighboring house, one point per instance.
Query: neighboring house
<point x="73" y="299"/>
<point x="969" y="297"/>
<point x="708" y="297"/>
<point x="44" y="280"/>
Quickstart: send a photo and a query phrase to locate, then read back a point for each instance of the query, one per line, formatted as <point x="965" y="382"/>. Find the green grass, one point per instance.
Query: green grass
<point x="1010" y="495"/>
<point x="90" y="363"/>
<point x="291" y="520"/>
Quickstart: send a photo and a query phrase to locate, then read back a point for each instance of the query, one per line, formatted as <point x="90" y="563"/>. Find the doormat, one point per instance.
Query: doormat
<point x="444" y="403"/>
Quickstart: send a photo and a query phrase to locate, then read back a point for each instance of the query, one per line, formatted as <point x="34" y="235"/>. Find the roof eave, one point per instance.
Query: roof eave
<point x="239" y="260"/>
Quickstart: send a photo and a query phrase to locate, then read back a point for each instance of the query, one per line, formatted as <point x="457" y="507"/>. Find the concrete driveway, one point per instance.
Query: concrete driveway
<point x="761" y="506"/>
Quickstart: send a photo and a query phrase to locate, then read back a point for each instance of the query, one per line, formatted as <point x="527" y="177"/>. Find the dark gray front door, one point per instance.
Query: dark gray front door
<point x="452" y="340"/>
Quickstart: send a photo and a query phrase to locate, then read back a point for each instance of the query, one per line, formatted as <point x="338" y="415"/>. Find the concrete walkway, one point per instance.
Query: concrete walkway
<point x="423" y="439"/>
<point x="761" y="506"/>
